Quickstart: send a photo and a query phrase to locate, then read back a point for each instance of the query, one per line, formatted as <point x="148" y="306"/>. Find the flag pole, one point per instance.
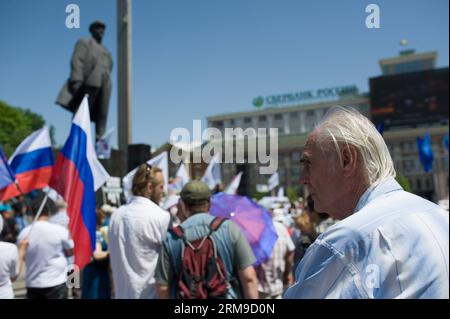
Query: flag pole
<point x="38" y="214"/>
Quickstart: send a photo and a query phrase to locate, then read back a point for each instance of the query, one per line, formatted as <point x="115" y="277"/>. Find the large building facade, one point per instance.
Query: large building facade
<point x="293" y="124"/>
<point x="405" y="115"/>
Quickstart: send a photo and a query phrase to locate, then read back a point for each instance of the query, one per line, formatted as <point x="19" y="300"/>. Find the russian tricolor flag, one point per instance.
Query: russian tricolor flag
<point x="76" y="176"/>
<point x="31" y="163"/>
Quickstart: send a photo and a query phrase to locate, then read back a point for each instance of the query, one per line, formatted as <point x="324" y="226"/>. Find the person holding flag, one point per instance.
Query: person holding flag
<point x="48" y="247"/>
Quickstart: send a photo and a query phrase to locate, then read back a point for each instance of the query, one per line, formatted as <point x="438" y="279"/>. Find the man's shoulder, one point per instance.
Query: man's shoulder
<point x="200" y="223"/>
<point x="55" y="228"/>
<point x="377" y="214"/>
<point x="83" y="41"/>
<point x="145" y="210"/>
<point x="8" y="248"/>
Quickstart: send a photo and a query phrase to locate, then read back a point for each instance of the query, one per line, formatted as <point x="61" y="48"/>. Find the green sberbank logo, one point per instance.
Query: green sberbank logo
<point x="326" y="94"/>
<point x="258" y="101"/>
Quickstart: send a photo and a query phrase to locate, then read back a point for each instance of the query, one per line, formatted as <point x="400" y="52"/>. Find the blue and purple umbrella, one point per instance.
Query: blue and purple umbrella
<point x="254" y="221"/>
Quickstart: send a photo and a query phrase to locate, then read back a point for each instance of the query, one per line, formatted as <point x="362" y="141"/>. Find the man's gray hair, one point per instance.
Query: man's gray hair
<point x="346" y="126"/>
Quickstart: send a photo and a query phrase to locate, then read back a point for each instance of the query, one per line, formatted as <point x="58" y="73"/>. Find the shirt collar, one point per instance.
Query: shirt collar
<point x="387" y="186"/>
<point x="142" y="200"/>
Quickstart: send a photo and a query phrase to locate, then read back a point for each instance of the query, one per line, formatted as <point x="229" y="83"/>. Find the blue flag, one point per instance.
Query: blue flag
<point x="6" y="174"/>
<point x="425" y="152"/>
<point x="380" y="128"/>
<point x="446" y="141"/>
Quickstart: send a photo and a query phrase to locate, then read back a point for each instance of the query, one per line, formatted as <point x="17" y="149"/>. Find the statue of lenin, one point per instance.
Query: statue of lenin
<point x="91" y="66"/>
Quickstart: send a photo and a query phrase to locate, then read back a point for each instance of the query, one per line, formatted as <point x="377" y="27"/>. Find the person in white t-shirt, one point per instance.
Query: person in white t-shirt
<point x="60" y="217"/>
<point x="10" y="267"/>
<point x="275" y="273"/>
<point x="136" y="232"/>
<point x="45" y="258"/>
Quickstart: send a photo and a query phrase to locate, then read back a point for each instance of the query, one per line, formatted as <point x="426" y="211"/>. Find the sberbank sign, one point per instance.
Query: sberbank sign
<point x="320" y="94"/>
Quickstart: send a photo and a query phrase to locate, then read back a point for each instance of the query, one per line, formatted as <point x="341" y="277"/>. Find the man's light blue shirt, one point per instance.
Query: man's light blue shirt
<point x="395" y="245"/>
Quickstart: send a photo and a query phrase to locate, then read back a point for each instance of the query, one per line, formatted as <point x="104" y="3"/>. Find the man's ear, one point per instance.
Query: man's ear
<point x="149" y="188"/>
<point x="182" y="213"/>
<point x="349" y="158"/>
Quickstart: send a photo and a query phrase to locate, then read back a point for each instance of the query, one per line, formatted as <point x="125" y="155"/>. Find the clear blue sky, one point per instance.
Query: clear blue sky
<point x="195" y="58"/>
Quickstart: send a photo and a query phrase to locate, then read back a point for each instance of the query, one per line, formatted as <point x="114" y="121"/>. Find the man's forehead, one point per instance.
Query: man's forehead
<point x="309" y="146"/>
<point x="159" y="175"/>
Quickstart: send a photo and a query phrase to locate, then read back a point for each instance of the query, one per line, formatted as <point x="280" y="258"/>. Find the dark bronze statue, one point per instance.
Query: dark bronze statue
<point x="91" y="66"/>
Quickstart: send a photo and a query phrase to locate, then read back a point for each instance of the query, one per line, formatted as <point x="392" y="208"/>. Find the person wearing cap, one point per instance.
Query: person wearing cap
<point x="232" y="247"/>
<point x="91" y="66"/>
<point x="136" y="232"/>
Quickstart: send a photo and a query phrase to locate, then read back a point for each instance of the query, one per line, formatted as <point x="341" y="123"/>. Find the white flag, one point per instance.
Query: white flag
<point x="234" y="185"/>
<point x="103" y="145"/>
<point x="160" y="161"/>
<point x="281" y="192"/>
<point x="273" y="181"/>
<point x="212" y="175"/>
<point x="181" y="177"/>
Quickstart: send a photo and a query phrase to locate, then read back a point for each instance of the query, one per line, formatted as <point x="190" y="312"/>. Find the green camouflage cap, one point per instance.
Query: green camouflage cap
<point x="195" y="192"/>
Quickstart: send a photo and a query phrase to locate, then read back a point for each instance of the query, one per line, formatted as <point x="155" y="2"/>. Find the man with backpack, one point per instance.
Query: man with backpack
<point x="205" y="256"/>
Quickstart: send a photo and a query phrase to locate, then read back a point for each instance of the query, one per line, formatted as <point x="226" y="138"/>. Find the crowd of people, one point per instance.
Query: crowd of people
<point x="356" y="221"/>
<point x="132" y="257"/>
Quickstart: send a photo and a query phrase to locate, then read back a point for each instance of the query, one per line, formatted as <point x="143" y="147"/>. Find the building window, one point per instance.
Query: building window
<point x="278" y="117"/>
<point x="445" y="161"/>
<point x="232" y="122"/>
<point x="282" y="175"/>
<point x="293" y="115"/>
<point x="419" y="184"/>
<point x="295" y="157"/>
<point x="262" y="118"/>
<point x="218" y="124"/>
<point x="428" y="184"/>
<point x="409" y="165"/>
<point x="247" y="120"/>
<point x="295" y="170"/>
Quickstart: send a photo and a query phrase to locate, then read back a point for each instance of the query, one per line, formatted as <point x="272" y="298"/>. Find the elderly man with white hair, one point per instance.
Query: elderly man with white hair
<point x="388" y="243"/>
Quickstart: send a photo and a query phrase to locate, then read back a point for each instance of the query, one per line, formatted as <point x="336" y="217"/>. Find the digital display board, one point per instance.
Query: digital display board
<point x="410" y="99"/>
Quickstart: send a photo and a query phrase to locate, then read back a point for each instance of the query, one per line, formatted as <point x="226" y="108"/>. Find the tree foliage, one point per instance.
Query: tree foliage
<point x="403" y="181"/>
<point x="15" y="125"/>
<point x="292" y="193"/>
